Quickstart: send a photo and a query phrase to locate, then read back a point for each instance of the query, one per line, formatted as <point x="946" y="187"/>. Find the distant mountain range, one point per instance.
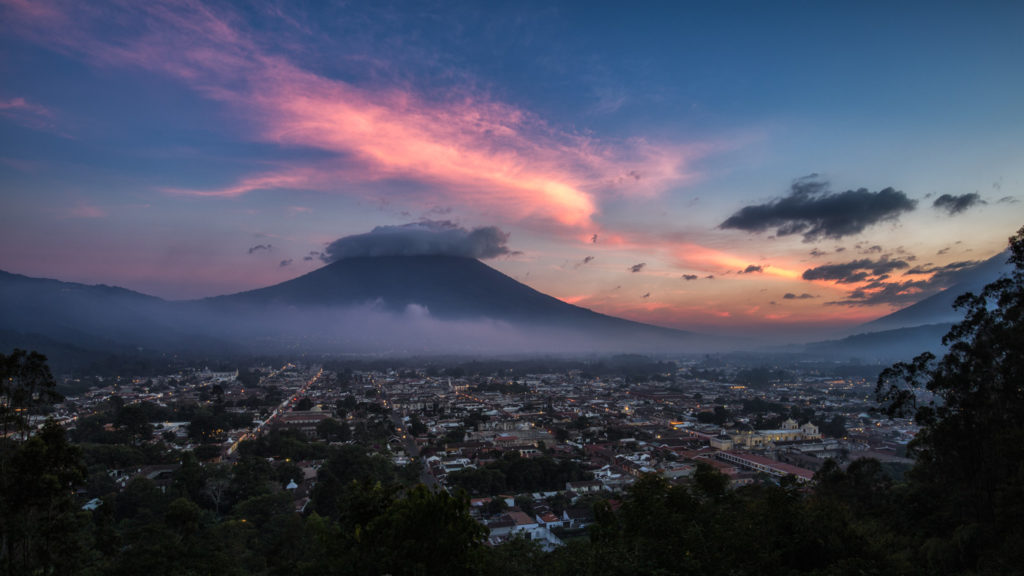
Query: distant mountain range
<point x="391" y="304"/>
<point x="938" y="308"/>
<point x="916" y="328"/>
<point x="400" y="305"/>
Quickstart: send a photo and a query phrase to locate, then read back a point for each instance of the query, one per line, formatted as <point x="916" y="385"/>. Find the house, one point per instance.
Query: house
<point x="575" y="518"/>
<point x="767" y="465"/>
<point x="584" y="486"/>
<point x="304" y="421"/>
<point x="515" y="522"/>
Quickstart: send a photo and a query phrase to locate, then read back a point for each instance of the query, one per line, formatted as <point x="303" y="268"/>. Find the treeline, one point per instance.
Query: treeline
<point x="235" y="519"/>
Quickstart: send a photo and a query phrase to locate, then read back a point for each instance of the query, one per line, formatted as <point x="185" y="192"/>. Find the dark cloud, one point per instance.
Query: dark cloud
<point x="751" y="269"/>
<point x="815" y="253"/>
<point x="856" y="271"/>
<point x="953" y="267"/>
<point x="586" y="260"/>
<point x="893" y="293"/>
<point x="957" y="204"/>
<point x="804" y="296"/>
<point x="428" y="237"/>
<point x="637" y="267"/>
<point x="689" y="277"/>
<point x="646" y="296"/>
<point x="259" y="247"/>
<point x="1007" y="200"/>
<point x="284" y="263"/>
<point x="813" y="211"/>
<point x="948" y="273"/>
<point x="593" y="239"/>
<point x="710" y="277"/>
<point x="882" y="290"/>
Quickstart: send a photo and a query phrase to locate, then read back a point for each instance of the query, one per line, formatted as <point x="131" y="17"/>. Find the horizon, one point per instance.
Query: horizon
<point x="799" y="170"/>
<point x="417" y="312"/>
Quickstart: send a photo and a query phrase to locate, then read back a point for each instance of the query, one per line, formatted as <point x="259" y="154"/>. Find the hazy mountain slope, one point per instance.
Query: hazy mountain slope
<point x="916" y="328"/>
<point x="938" y="308"/>
<point x="884" y="346"/>
<point x="448" y="287"/>
<point x="421" y="304"/>
<point x="83" y="314"/>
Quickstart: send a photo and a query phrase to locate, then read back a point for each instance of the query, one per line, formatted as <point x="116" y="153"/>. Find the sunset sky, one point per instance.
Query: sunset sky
<point x="722" y="166"/>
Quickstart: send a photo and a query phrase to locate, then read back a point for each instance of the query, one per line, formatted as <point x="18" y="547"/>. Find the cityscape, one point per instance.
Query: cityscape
<point x="521" y="289"/>
<point x="611" y="429"/>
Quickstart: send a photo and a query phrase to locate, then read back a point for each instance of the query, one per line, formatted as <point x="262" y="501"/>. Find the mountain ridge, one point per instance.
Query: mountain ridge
<point x="450" y="287"/>
<point x="402" y="305"/>
<point x="938" y="308"/>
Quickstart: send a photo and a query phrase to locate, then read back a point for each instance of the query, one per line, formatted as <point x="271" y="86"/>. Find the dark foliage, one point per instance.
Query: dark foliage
<point x="970" y="449"/>
<point x="517" y="474"/>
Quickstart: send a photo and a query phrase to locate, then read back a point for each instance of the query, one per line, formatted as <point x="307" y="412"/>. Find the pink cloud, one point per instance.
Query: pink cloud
<point x="19" y="104"/>
<point x="28" y="114"/>
<point x="490" y="157"/>
<point x="82" y="210"/>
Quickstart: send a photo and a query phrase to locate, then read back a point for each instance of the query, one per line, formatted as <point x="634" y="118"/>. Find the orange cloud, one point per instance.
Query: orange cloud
<point x="703" y="257"/>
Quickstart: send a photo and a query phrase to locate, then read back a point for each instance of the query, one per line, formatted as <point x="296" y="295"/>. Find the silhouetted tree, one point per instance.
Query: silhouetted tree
<point x="26" y="384"/>
<point x="971" y="444"/>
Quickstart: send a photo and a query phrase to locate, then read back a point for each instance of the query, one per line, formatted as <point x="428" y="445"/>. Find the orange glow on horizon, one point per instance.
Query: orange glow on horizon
<point x="705" y="256"/>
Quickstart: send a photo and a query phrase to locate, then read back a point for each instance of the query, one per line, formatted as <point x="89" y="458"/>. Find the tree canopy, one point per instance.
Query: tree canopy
<point x="970" y="450"/>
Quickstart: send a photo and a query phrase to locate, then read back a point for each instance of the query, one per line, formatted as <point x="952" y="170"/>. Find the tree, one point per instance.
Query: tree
<point x="424" y="533"/>
<point x="132" y="419"/>
<point x="416" y="426"/>
<point x="217" y="487"/>
<point x="38" y="518"/>
<point x="190" y="478"/>
<point x="971" y="444"/>
<point x="39" y="521"/>
<point x="25" y="385"/>
<point x="203" y="426"/>
<point x="333" y="430"/>
<point x="720" y="416"/>
<point x="835" y="428"/>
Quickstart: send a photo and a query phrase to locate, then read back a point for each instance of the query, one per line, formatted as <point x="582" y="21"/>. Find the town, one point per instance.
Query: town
<point x="533" y="451"/>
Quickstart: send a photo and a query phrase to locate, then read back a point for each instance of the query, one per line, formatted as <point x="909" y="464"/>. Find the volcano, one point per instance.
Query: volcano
<point x="449" y="287"/>
<point x="384" y="304"/>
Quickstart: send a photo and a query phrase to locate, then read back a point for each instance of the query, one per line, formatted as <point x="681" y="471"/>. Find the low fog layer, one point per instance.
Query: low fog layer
<point x="89" y="321"/>
<point x="378" y="329"/>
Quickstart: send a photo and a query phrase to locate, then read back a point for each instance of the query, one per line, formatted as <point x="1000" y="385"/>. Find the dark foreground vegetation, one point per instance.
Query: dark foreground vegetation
<point x="960" y="510"/>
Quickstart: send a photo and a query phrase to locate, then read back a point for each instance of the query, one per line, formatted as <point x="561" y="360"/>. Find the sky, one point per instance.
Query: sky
<point x="734" y="167"/>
